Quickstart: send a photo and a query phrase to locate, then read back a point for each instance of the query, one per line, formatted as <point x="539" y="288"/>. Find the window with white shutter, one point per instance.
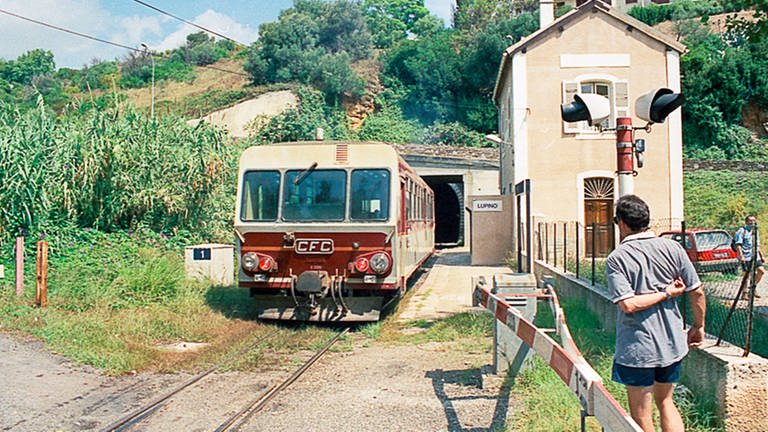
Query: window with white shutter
<point x="617" y="92"/>
<point x="620" y="100"/>
<point x="570" y="88"/>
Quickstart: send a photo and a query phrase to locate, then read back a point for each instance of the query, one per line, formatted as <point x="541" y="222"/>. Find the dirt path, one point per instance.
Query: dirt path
<point x="431" y="387"/>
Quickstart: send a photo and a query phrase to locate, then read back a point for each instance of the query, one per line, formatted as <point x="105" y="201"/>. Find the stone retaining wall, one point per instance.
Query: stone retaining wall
<point x="723" y="165"/>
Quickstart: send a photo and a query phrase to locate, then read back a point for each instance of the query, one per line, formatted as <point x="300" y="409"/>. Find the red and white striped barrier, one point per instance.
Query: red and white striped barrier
<point x="567" y="362"/>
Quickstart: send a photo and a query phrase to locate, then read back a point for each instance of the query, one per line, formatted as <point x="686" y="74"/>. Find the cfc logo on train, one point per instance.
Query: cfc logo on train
<point x="314" y="246"/>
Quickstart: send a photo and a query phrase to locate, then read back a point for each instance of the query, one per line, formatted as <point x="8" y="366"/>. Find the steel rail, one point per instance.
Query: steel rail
<point x="143" y="412"/>
<point x="256" y="405"/>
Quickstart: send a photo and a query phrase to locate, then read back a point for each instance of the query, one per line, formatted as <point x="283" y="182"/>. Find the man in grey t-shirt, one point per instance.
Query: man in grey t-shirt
<point x="645" y="273"/>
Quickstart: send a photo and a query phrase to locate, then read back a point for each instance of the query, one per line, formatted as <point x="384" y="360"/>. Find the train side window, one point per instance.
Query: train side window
<point x="259" y="196"/>
<point x="318" y="195"/>
<point x="408" y="198"/>
<point x="369" y="195"/>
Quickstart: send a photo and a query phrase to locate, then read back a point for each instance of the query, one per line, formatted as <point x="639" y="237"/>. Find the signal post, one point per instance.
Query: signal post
<point x="625" y="144"/>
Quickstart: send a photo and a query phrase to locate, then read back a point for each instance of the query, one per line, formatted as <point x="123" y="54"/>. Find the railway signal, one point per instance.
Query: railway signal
<point x="653" y="107"/>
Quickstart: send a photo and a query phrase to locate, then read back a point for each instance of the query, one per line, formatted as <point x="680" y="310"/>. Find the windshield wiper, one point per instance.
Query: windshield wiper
<point x="304" y="174"/>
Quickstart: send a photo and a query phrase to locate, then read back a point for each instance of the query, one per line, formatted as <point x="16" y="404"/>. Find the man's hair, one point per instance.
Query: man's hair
<point x="634" y="212"/>
<point x="746" y="219"/>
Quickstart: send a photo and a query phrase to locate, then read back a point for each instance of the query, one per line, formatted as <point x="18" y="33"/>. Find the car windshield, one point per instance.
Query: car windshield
<point x="314" y="195"/>
<point x="711" y="240"/>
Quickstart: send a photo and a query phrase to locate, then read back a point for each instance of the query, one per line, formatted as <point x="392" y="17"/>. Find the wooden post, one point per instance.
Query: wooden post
<point x="19" y="266"/>
<point x="41" y="287"/>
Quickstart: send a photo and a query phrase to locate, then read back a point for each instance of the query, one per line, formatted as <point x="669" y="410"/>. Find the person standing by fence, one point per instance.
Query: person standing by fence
<point x="743" y="241"/>
<point x="645" y="273"/>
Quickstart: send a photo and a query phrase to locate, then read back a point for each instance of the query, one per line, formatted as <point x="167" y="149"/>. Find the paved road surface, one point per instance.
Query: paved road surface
<point x="448" y="287"/>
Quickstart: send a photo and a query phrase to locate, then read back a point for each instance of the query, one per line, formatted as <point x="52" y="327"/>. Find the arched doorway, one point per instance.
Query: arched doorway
<point x="598" y="216"/>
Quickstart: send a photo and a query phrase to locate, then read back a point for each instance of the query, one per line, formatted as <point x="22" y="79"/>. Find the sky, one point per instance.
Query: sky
<point x="129" y="23"/>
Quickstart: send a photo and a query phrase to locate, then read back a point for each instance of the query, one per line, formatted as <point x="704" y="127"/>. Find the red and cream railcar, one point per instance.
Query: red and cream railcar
<point x="329" y="231"/>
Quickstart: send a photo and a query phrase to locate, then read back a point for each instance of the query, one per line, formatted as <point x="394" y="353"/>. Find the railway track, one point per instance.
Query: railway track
<point x="241" y="417"/>
<point x="126" y="422"/>
<point x="235" y="421"/>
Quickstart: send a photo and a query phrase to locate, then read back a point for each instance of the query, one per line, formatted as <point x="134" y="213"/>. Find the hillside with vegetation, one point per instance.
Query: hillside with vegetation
<point x="370" y="70"/>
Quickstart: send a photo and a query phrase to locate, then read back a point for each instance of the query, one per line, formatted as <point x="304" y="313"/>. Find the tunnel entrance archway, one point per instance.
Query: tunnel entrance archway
<point x="449" y="209"/>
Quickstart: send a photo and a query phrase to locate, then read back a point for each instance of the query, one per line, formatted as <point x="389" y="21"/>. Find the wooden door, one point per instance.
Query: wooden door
<point x="598" y="226"/>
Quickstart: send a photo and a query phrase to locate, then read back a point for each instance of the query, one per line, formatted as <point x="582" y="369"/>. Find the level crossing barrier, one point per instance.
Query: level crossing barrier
<point x="566" y="360"/>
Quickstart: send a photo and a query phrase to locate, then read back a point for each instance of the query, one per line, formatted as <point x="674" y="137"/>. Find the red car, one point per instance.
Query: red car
<point x="709" y="249"/>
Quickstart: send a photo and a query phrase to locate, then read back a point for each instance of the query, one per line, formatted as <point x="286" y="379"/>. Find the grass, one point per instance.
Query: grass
<point x="737" y="193"/>
<point x="115" y="298"/>
<point x="547" y="403"/>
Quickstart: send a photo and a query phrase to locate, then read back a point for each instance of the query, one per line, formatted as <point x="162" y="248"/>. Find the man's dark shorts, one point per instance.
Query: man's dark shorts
<point x="745" y="264"/>
<point x="645" y="377"/>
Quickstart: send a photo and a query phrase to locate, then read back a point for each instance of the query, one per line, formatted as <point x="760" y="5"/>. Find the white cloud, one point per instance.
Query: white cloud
<point x="213" y="20"/>
<point x="135" y="30"/>
<point x="84" y="16"/>
<point x="90" y="18"/>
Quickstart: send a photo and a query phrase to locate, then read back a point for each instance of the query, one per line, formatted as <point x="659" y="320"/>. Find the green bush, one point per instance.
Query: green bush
<point x="300" y="123"/>
<point x="389" y="125"/>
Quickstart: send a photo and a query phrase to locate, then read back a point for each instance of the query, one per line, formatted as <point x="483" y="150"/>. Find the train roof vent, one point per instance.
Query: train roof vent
<point x="342" y="153"/>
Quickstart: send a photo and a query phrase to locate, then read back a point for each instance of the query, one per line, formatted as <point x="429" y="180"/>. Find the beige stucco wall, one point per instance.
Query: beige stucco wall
<point x="557" y="161"/>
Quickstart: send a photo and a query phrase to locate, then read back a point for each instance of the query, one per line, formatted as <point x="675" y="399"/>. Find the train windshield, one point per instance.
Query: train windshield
<point x="260" y="196"/>
<point x="314" y="195"/>
<point x="369" y="195"/>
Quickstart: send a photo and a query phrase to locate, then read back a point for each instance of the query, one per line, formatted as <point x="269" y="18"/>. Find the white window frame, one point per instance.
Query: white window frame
<point x="618" y="95"/>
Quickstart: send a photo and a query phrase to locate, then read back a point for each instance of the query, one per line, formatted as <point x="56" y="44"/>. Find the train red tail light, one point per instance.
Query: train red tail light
<point x="362" y="265"/>
<point x="266" y="263"/>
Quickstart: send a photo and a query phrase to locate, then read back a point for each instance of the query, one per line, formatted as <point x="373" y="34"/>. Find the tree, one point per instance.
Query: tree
<point x="429" y="71"/>
<point x="474" y="15"/>
<point x="391" y="21"/>
<point x="480" y="64"/>
<point x="312" y="43"/>
<point x="754" y="27"/>
<point x="27" y="66"/>
<point x="721" y="76"/>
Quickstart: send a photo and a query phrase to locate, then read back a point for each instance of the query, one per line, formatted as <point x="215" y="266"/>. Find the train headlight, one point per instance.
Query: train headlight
<point x="362" y="265"/>
<point x="249" y="261"/>
<point x="380" y="262"/>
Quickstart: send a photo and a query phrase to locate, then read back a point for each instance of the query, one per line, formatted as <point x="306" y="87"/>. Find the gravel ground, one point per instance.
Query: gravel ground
<point x="429" y="387"/>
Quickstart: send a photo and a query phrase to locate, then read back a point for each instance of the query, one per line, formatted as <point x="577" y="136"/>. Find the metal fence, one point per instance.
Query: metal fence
<point x="735" y="312"/>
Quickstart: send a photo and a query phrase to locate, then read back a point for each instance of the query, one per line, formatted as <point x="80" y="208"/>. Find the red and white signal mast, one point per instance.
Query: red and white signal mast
<point x="653" y="107"/>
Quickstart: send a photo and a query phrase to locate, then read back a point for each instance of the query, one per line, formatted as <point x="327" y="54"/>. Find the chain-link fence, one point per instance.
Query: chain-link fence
<point x="733" y="313"/>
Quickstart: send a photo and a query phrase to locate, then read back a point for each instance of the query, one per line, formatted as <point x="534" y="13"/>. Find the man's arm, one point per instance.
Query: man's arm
<point x="644" y="301"/>
<point x="699" y="309"/>
<point x="738" y="239"/>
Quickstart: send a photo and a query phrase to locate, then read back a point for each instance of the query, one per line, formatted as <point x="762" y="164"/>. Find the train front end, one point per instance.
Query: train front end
<point x="316" y="225"/>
